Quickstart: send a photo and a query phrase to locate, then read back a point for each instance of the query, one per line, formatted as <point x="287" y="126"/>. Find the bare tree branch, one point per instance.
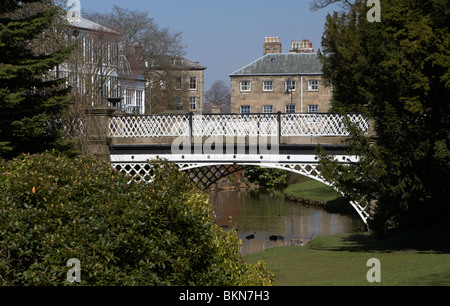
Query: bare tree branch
<point x="218" y="93"/>
<point x="316" y="5"/>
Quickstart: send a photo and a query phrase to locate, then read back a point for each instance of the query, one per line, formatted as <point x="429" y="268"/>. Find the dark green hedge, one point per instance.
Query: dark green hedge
<point x="53" y="208"/>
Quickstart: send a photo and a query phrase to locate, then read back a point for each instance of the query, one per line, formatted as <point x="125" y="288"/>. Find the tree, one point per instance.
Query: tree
<point x="152" y="51"/>
<point x="396" y="71"/>
<point x="219" y="93"/>
<point x="29" y="95"/>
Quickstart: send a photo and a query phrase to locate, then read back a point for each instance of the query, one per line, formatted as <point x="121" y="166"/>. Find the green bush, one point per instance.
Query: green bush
<point x="267" y="177"/>
<point x="53" y="209"/>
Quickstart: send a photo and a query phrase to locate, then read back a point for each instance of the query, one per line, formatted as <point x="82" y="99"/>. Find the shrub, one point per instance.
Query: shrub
<point x="53" y="209"/>
<point x="267" y="177"/>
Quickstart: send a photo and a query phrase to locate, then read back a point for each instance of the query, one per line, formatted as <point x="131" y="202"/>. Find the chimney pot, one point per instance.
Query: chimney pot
<point x="272" y="45"/>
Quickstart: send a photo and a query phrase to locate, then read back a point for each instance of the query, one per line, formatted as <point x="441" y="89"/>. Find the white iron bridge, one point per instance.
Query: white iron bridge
<point x="215" y="145"/>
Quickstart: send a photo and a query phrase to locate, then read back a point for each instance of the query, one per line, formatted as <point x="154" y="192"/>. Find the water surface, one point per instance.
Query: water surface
<point x="263" y="214"/>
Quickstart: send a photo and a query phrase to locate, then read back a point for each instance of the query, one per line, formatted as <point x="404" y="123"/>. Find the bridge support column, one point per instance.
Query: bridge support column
<point x="97" y="132"/>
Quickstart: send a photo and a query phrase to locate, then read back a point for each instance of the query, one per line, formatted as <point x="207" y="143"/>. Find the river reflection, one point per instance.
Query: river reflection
<point x="264" y="214"/>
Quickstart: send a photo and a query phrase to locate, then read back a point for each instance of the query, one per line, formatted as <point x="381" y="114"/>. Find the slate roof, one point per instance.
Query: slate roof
<point x="85" y="24"/>
<point x="193" y="65"/>
<point x="282" y="64"/>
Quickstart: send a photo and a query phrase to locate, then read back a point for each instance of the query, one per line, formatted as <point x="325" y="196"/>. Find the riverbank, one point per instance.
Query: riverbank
<point x="412" y="258"/>
<point x="314" y="193"/>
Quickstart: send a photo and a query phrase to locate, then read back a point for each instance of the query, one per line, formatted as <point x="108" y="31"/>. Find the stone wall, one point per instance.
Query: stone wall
<point x="278" y="98"/>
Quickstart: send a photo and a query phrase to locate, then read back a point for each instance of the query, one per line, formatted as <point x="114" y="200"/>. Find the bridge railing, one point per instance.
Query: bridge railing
<point x="233" y="125"/>
<point x="320" y="124"/>
<point x="149" y="126"/>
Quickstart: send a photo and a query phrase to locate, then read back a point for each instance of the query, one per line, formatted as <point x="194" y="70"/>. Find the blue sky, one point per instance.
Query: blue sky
<point x="227" y="35"/>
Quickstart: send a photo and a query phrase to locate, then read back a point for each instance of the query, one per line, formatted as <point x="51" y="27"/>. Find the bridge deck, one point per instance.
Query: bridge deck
<point x="288" y="153"/>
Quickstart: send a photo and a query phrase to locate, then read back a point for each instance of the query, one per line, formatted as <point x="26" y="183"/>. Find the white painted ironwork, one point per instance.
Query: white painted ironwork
<point x="149" y="126"/>
<point x="235" y="125"/>
<point x="141" y="172"/>
<point x="213" y="159"/>
<point x="320" y="124"/>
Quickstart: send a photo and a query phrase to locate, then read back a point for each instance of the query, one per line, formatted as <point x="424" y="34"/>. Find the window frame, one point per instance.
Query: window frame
<point x="313" y="111"/>
<point x="248" y="85"/>
<point x="268" y="86"/>
<point x="246" y="107"/>
<point x="289" y="109"/>
<point x="266" y="108"/>
<point x="313" y="85"/>
<point x="192" y="102"/>
<point x="193" y="83"/>
<point x="294" y="85"/>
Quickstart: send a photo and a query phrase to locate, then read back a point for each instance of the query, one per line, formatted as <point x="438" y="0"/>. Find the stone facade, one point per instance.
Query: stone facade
<point x="261" y="100"/>
<point x="185" y="82"/>
<point x="264" y="85"/>
<point x="196" y="89"/>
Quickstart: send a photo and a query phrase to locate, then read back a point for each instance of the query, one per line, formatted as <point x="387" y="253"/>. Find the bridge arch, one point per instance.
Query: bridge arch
<point x="308" y="170"/>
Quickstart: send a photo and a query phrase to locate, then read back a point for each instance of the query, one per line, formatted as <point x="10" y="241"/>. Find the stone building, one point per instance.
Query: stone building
<point x="281" y="82"/>
<point x="98" y="71"/>
<point x="177" y="86"/>
<point x="194" y="78"/>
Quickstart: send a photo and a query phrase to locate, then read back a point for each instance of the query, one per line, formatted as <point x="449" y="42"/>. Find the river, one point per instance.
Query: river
<point x="263" y="214"/>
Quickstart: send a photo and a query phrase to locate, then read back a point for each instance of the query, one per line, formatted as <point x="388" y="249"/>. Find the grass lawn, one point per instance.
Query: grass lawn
<point x="407" y="259"/>
<point x="312" y="189"/>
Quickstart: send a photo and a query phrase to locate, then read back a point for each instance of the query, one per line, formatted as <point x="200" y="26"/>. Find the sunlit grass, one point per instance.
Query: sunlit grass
<point x="312" y="189"/>
<point x="342" y="261"/>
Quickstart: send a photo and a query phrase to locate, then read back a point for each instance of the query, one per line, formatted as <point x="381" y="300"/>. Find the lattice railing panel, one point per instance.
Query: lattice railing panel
<point x="320" y="124"/>
<point x="235" y="125"/>
<point x="149" y="126"/>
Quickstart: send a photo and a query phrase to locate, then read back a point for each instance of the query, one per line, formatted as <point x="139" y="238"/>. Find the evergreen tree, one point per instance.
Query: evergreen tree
<point x="397" y="72"/>
<point x="29" y="96"/>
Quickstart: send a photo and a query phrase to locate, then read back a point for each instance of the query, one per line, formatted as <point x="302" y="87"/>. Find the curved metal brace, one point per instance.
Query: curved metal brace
<point x="141" y="172"/>
<point x="308" y="170"/>
<point x="208" y="178"/>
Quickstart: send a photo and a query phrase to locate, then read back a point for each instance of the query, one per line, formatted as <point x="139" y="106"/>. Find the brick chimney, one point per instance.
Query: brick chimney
<point x="301" y="46"/>
<point x="272" y="45"/>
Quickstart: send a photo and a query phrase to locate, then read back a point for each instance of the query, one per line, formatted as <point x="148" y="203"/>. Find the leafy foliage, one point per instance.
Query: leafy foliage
<point x="396" y="71"/>
<point x="265" y="177"/>
<point x="123" y="233"/>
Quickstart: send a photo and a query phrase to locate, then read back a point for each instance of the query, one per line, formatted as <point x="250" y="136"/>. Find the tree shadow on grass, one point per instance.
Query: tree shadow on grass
<point x="431" y="240"/>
